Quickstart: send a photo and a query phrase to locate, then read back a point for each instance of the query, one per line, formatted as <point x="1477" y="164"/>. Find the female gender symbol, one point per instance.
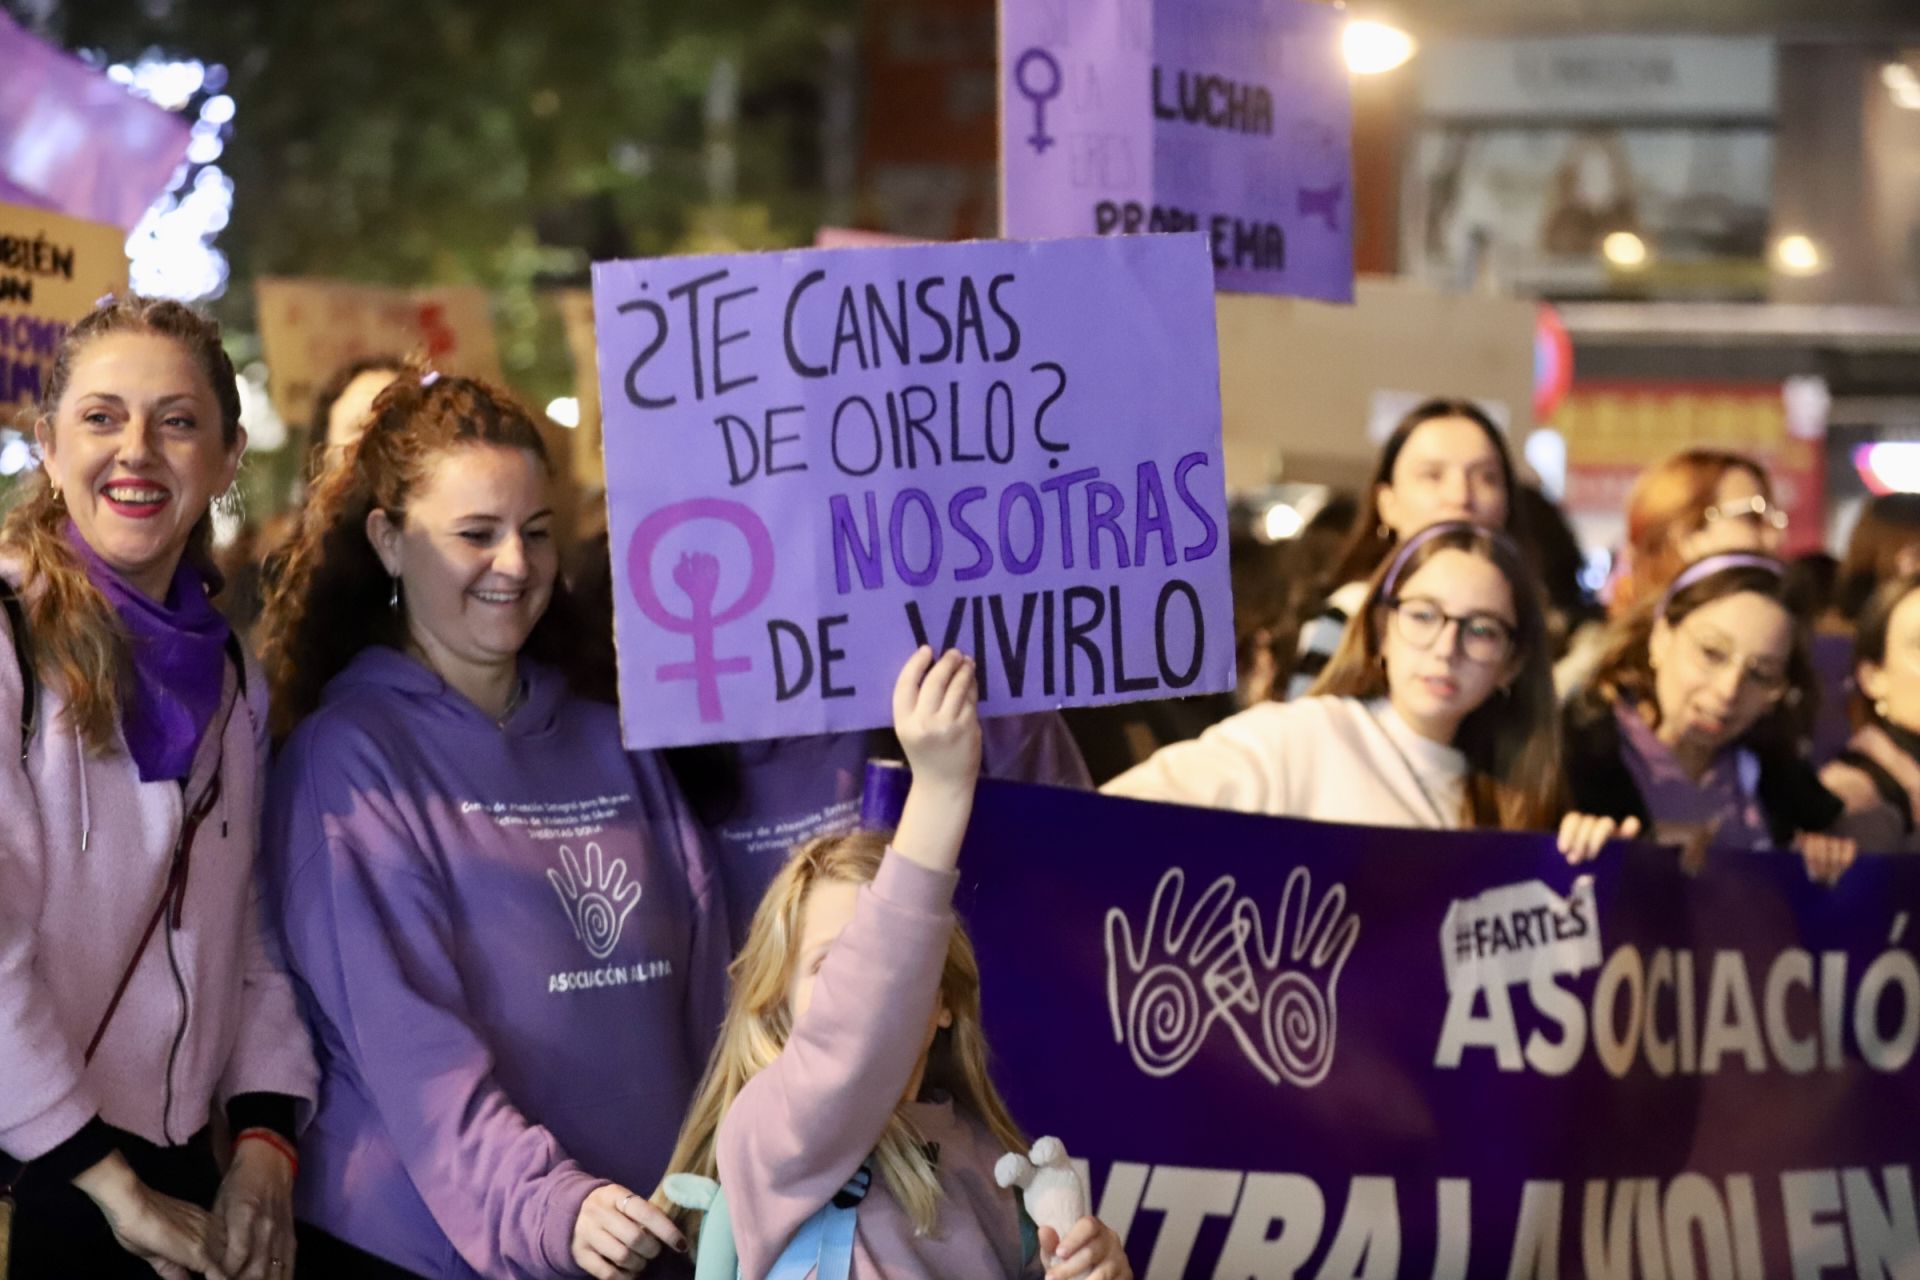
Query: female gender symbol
<point x="1038" y="95"/>
<point x="698" y="576"/>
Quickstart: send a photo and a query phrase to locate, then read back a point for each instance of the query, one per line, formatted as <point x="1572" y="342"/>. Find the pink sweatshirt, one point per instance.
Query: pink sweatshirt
<point x="800" y="1129"/>
<point x="84" y="852"/>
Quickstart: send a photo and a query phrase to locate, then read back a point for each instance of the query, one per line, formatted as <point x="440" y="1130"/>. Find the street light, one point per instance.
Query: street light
<point x="1625" y="250"/>
<point x="1798" y="255"/>
<point x="1373" y="47"/>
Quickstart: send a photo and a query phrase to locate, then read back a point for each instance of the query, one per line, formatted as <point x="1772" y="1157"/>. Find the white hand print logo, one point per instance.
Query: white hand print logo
<point x="1188" y="971"/>
<point x="597" y="898"/>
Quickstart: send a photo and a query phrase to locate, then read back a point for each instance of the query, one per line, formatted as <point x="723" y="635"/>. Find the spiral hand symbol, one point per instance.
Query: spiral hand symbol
<point x="1186" y="970"/>
<point x="1300" y="967"/>
<point x="1153" y="998"/>
<point x="597" y="898"/>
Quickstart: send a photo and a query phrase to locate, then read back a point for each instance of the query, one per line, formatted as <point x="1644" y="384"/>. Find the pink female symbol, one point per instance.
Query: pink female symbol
<point x="697" y="574"/>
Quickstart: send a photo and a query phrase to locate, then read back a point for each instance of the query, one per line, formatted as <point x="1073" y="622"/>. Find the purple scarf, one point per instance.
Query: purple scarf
<point x="179" y="664"/>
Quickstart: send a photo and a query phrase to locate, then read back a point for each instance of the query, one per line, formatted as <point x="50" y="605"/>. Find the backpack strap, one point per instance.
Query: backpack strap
<point x="823" y="1246"/>
<point x="1884" y="782"/>
<point x="23" y="654"/>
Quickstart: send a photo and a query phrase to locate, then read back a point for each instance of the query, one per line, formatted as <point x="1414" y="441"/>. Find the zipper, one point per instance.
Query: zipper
<point x="179" y="1037"/>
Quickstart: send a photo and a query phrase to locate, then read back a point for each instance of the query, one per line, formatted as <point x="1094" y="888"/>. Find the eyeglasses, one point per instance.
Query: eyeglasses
<point x="1757" y="510"/>
<point x="1482" y="637"/>
<point x="1713" y="658"/>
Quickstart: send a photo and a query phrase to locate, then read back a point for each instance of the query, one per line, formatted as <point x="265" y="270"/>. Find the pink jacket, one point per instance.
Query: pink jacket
<point x="801" y="1128"/>
<point x="85" y="848"/>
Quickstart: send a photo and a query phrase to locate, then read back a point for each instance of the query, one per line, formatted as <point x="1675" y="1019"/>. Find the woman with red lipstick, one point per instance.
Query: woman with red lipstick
<point x="136" y="986"/>
<point x="1437" y="710"/>
<point x="1695" y="720"/>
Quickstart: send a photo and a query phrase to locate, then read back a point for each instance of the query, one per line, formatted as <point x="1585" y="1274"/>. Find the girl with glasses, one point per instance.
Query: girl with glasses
<point x="1436" y="711"/>
<point x="1695" y="720"/>
<point x="1446" y="460"/>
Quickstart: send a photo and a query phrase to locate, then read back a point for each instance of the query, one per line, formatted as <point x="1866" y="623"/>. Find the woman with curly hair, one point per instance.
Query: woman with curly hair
<point x="508" y="934"/>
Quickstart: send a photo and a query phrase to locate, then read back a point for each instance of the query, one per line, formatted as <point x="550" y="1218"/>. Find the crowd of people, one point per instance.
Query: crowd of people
<point x="380" y="953"/>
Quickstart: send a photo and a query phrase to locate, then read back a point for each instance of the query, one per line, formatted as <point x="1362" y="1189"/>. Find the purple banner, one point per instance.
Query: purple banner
<point x="1292" y="1049"/>
<point x="74" y="141"/>
<point x="818" y="460"/>
<point x="1233" y="118"/>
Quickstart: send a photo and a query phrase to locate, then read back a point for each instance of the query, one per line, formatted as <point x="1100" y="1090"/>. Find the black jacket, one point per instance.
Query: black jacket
<point x="1599" y="782"/>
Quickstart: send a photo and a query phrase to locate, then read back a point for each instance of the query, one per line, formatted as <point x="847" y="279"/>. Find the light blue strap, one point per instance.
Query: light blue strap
<point x="823" y="1246"/>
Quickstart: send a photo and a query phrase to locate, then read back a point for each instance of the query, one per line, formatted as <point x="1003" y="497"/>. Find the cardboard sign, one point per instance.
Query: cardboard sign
<point x="818" y="460"/>
<point x="52" y="270"/>
<point x="310" y="328"/>
<point x="1233" y="118"/>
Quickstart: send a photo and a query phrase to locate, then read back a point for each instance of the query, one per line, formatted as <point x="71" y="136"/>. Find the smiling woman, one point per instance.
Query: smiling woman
<point x="494" y="911"/>
<point x="139" y="717"/>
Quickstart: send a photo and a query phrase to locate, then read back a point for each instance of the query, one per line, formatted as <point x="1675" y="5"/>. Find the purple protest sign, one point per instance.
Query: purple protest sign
<point x="818" y="460"/>
<point x="75" y="141"/>
<point x="1229" y="117"/>
<point x="1295" y="1049"/>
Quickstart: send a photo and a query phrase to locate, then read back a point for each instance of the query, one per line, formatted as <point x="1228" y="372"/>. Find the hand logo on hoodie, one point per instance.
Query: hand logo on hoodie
<point x="597" y="897"/>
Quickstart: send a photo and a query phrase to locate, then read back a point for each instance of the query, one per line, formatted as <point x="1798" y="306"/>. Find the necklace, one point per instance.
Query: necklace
<point x="1419" y="784"/>
<point x="518" y="696"/>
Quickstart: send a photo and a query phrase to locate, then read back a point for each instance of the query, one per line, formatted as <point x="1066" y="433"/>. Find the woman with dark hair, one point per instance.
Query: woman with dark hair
<point x="510" y="940"/>
<point x="1446" y="460"/>
<point x="1697" y="503"/>
<point x="1697" y="715"/>
<point x="138" y="992"/>
<point x="1878" y="775"/>
<point x="1437" y="711"/>
<point x="340" y="411"/>
<point x="1884" y="545"/>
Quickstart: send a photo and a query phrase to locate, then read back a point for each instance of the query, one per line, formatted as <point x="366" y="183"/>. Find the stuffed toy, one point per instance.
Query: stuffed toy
<point x="1050" y="1187"/>
<point x="715" y="1258"/>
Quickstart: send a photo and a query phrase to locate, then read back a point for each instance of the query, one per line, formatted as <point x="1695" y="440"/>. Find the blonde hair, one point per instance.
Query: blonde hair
<point x="758" y="1023"/>
<point x="79" y="642"/>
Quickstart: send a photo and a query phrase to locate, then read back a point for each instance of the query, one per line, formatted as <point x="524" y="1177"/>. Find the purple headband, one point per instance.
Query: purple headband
<point x="1428" y="534"/>
<point x="1710" y="565"/>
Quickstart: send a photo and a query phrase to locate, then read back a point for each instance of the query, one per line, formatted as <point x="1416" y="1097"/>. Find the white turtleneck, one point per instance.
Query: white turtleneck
<point x="1328" y="759"/>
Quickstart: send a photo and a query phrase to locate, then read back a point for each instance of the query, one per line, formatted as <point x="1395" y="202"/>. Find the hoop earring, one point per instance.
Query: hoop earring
<point x="393" y="600"/>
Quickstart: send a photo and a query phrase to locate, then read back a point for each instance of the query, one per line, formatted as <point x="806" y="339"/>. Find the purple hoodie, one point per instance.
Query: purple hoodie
<point x="512" y="949"/>
<point x="793" y="789"/>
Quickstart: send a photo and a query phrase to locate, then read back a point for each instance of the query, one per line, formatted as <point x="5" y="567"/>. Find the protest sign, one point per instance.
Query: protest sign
<point x="1233" y="118"/>
<point x="76" y="141"/>
<point x="52" y="270"/>
<point x="1291" y="1049"/>
<point x="817" y="460"/>
<point x="311" y="328"/>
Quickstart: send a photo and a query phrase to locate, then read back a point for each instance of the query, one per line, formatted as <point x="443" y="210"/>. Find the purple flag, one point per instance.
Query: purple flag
<point x="818" y="460"/>
<point x="73" y="141"/>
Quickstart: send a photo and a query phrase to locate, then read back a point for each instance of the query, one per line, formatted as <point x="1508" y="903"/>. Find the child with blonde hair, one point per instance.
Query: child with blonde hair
<point x="851" y="1071"/>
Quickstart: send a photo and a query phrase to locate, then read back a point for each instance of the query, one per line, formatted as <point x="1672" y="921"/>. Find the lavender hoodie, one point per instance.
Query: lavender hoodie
<point x="512" y="948"/>
<point x="793" y="789"/>
<point x="799" y="1129"/>
<point x="85" y="848"/>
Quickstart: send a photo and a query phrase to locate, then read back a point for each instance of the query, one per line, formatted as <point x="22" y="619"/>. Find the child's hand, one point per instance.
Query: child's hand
<point x="936" y="713"/>
<point x="1091" y="1251"/>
